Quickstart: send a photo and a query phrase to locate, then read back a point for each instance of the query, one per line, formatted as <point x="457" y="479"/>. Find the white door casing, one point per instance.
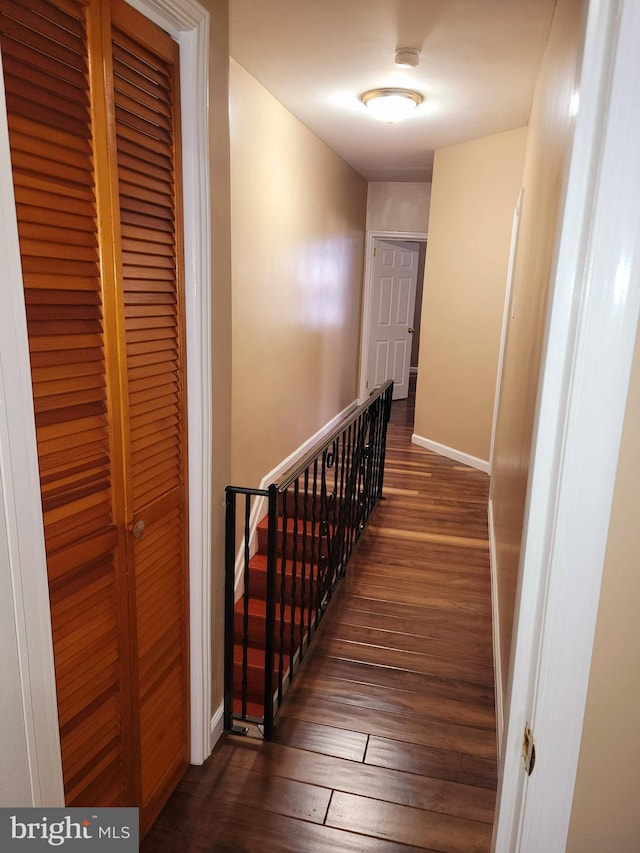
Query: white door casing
<point x="393" y="297"/>
<point x="367" y="298"/>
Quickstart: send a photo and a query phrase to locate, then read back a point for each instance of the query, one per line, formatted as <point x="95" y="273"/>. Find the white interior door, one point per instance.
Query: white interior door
<point x="393" y="299"/>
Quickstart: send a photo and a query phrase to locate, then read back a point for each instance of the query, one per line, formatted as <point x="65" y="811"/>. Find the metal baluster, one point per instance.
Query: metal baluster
<point x="350" y="489"/>
<point x="355" y="478"/>
<point x="368" y="466"/>
<point x="315" y="551"/>
<point x="270" y="625"/>
<point x="380" y="429"/>
<point x="324" y="528"/>
<point x="362" y="468"/>
<point x="229" y="588"/>
<point x="341" y="505"/>
<point x="343" y="498"/>
<point x="294" y="568"/>
<point x="386" y="406"/>
<point x="371" y="460"/>
<point x="283" y="576"/>
<point x="303" y="571"/>
<point x="334" y="527"/>
<point x="245" y="605"/>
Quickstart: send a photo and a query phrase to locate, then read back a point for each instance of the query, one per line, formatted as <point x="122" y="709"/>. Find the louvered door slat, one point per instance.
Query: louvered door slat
<point x="158" y="150"/>
<point x="52" y="186"/>
<point x="46" y="80"/>
<point x="130" y="58"/>
<point x="27" y="146"/>
<point x="52" y="200"/>
<point x="68" y="29"/>
<point x="44" y="39"/>
<point x="155" y="114"/>
<point x="146" y="248"/>
<point x="140" y="180"/>
<point x="42" y="281"/>
<point x="45" y="66"/>
<point x="55" y="103"/>
<point x="82" y="381"/>
<point x="27" y="160"/>
<point x="28" y="136"/>
<point x="128" y="152"/>
<point x="129" y="86"/>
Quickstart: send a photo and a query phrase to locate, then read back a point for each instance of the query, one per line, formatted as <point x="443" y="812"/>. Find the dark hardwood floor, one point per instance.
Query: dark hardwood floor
<point x="386" y="742"/>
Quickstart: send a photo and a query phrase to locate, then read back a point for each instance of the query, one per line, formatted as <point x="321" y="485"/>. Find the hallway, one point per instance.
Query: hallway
<point x="386" y="742"/>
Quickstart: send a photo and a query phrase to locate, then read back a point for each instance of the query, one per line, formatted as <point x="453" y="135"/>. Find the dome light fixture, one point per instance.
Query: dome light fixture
<point x="391" y="105"/>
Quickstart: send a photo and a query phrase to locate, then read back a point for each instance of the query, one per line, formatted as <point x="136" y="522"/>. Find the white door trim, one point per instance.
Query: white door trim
<point x="590" y="339"/>
<point x="366" y="296"/>
<point x="188" y="22"/>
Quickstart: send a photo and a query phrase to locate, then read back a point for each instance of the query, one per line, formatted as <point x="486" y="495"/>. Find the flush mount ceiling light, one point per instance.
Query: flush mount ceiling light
<point x="391" y="105"/>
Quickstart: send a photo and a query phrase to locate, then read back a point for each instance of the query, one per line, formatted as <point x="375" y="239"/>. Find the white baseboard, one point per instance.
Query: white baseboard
<point x="451" y="453"/>
<point x="217" y="726"/>
<point x="495" y="629"/>
<point x="260" y="506"/>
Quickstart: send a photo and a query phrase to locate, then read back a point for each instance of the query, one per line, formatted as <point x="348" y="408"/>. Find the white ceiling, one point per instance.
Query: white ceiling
<point x="480" y="60"/>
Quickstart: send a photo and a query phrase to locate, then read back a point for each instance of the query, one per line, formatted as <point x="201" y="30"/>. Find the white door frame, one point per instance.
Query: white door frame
<point x="366" y="296"/>
<point x="589" y="349"/>
<point x="188" y="22"/>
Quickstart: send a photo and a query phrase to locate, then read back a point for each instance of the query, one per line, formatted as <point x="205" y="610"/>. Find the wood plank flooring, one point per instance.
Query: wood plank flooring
<point x="386" y="742"/>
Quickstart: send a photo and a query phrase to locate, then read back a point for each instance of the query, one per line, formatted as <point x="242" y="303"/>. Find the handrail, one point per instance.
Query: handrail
<point x="323" y="443"/>
<point x="317" y="513"/>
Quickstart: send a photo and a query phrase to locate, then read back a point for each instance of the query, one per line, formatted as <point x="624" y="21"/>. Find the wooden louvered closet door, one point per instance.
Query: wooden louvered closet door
<point x="92" y="103"/>
<point x="145" y="84"/>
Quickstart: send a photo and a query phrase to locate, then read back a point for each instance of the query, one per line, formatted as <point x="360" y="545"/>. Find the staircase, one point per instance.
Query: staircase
<point x="303" y="547"/>
<point x="290" y="564"/>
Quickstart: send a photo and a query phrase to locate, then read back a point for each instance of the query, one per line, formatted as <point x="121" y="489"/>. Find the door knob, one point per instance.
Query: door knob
<point x="138" y="529"/>
<point x="411" y="330"/>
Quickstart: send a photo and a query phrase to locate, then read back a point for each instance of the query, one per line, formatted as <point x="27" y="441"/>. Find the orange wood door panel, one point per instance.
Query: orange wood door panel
<point x="45" y="49"/>
<point x="92" y="102"/>
<point x="146" y="91"/>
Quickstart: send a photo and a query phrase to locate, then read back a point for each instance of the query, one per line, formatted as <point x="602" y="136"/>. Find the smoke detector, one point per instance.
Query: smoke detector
<point x="407" y="57"/>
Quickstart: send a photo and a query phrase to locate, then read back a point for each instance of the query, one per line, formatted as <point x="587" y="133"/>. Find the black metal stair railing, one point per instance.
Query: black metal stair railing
<point x="316" y="514"/>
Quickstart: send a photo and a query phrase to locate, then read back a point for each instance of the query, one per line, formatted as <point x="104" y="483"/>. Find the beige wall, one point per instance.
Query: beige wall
<point x="220" y="317"/>
<point x="605" y="812"/>
<point x="474" y="192"/>
<point x="298" y="217"/>
<point x="398" y="206"/>
<point x="548" y="146"/>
